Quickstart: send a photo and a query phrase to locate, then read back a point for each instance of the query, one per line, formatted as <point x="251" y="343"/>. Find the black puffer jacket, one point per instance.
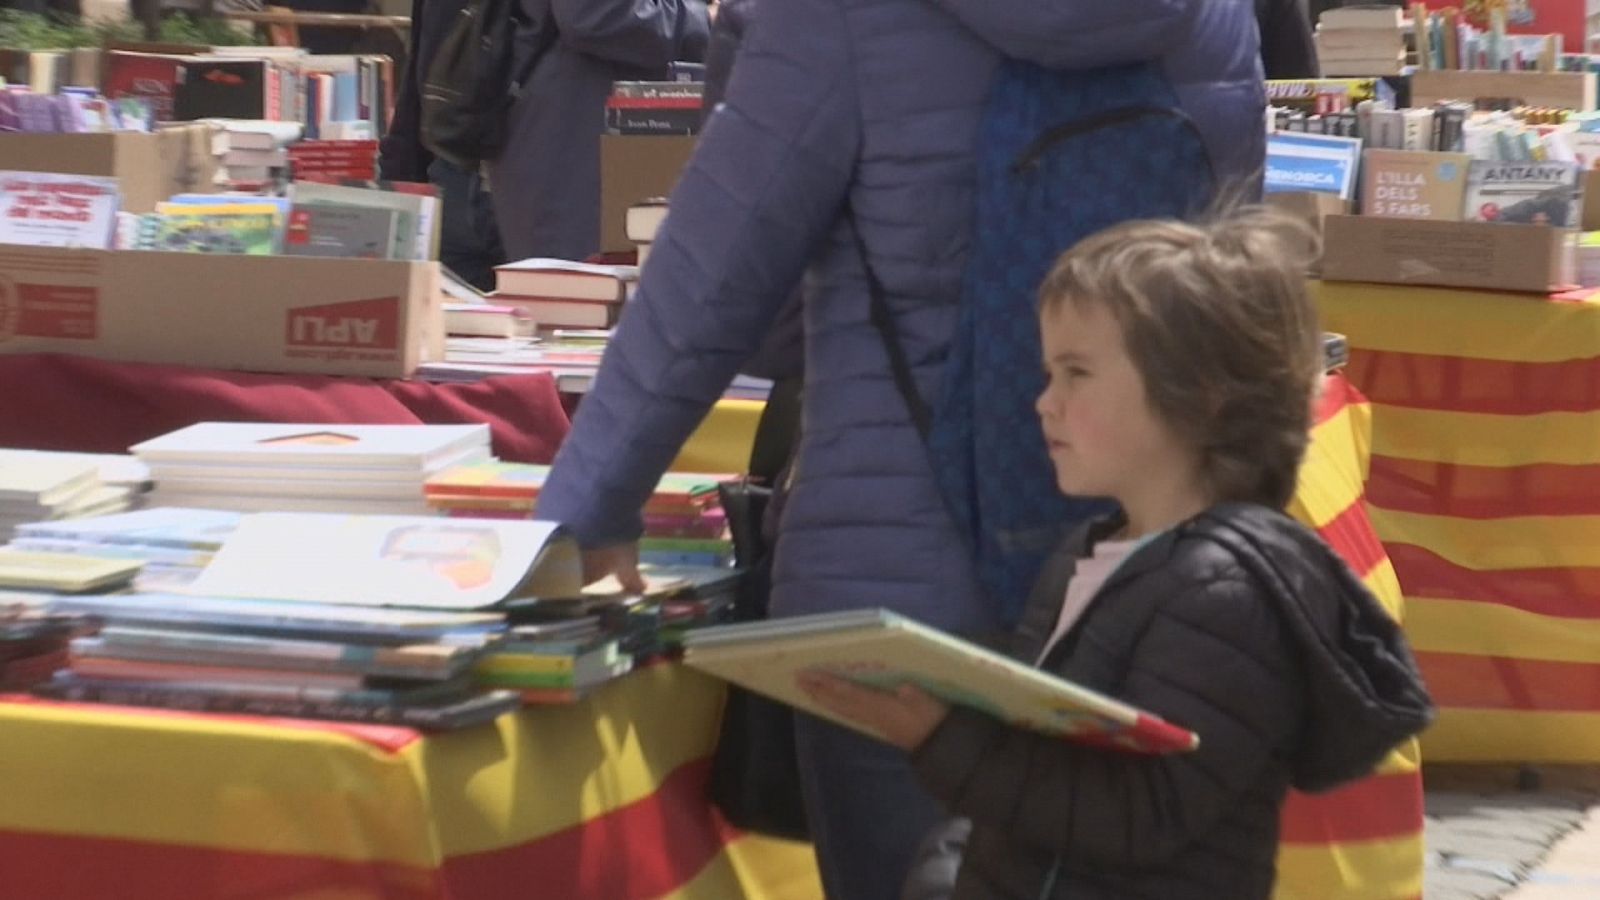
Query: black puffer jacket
<point x="1240" y="625"/>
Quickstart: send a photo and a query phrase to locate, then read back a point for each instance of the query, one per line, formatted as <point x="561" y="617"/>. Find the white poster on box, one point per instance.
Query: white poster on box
<point x="45" y="210"/>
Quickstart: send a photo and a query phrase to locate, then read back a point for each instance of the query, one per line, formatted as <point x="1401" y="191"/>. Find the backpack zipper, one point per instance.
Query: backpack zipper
<point x="1035" y="151"/>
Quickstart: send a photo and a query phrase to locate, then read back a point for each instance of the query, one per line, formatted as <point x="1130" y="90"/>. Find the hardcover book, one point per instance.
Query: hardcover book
<point x="881" y="649"/>
<point x="1528" y="193"/>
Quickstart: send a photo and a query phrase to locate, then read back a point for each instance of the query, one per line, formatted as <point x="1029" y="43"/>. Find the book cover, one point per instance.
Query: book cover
<point x="223" y="89"/>
<point x="184" y="529"/>
<point x="881" y="649"/>
<point x="416" y="561"/>
<point x="245" y="229"/>
<point x="1411" y="185"/>
<point x="352" y="232"/>
<point x="1312" y="162"/>
<point x="408" y="447"/>
<point x="45" y="210"/>
<point x="417" y="221"/>
<point x="1548" y="193"/>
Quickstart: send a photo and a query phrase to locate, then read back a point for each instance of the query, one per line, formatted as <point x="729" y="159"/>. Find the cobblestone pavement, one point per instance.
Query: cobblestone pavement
<point x="1520" y="834"/>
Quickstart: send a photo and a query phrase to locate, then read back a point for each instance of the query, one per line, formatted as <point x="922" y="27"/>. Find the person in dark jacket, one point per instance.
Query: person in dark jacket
<point x="1288" y="49"/>
<point x="546" y="183"/>
<point x="1183" y="362"/>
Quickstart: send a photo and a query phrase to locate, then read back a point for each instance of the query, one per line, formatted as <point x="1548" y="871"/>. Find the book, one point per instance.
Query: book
<point x="644" y="220"/>
<point x="1374" y="16"/>
<point x="560" y="313"/>
<point x="413" y="561"/>
<point x="417" y="225"/>
<point x="422" y="661"/>
<point x="1413" y="185"/>
<point x="394" y="447"/>
<point x="44" y="479"/>
<point x="254" y="229"/>
<point x="487" y="320"/>
<point x="337" y="230"/>
<point x="1312" y="162"/>
<point x="1549" y="193"/>
<point x="305" y="621"/>
<point x="45" y="210"/>
<point x="558" y="278"/>
<point x="64" y="572"/>
<point x="192" y="529"/>
<point x="878" y="648"/>
<point x="299" y="703"/>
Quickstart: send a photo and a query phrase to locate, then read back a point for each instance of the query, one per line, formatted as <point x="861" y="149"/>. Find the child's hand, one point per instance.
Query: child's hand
<point x="905" y="717"/>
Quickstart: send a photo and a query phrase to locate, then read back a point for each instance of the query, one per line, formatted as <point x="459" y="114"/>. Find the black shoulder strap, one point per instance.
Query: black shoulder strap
<point x="883" y="321"/>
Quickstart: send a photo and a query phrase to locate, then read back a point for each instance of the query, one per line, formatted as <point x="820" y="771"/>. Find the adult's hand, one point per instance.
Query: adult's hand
<point x="621" y="560"/>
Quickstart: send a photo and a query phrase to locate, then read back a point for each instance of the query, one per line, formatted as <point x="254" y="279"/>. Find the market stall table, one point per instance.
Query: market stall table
<point x="1485" y="490"/>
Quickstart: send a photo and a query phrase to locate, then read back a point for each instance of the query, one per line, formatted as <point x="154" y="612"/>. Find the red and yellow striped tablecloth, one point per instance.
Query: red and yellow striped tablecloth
<point x="1485" y="490"/>
<point x="1362" y="841"/>
<point x="600" y="800"/>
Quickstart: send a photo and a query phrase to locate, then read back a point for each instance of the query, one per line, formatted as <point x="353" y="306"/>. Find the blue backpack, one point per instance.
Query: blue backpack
<point x="1062" y="155"/>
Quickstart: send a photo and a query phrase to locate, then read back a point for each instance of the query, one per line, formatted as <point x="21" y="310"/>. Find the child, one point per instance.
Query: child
<point x="1182" y="363"/>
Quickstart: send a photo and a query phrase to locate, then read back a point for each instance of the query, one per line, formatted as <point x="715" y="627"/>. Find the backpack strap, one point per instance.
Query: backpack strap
<point x="883" y="320"/>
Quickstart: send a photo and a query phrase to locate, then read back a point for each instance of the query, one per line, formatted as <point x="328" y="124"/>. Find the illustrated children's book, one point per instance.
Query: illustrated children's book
<point x="422" y="561"/>
<point x="878" y="648"/>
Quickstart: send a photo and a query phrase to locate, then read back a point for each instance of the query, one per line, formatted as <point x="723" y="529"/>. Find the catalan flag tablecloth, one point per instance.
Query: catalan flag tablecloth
<point x="600" y="800"/>
<point x="1485" y="489"/>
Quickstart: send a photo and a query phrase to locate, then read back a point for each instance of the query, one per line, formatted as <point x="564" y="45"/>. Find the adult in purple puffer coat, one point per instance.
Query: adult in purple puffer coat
<point x="873" y="104"/>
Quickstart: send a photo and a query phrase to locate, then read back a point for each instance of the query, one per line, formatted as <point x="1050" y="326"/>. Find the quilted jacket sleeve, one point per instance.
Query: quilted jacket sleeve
<point x="766" y="183"/>
<point x="1214" y="660"/>
<point x="1078" y="33"/>
<point x="645" y="33"/>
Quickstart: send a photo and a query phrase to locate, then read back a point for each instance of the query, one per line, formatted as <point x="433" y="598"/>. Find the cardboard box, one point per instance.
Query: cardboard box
<point x="1483" y="255"/>
<point x="635" y="168"/>
<point x="1562" y="90"/>
<point x="255" y="313"/>
<point x="150" y="167"/>
<point x="1310" y="207"/>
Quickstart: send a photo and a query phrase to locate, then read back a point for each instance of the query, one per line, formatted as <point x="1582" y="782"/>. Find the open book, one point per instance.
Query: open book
<point x="881" y="649"/>
<point x="423" y="562"/>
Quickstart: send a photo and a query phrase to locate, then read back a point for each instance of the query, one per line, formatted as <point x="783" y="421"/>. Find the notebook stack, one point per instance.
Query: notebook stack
<point x="38" y="486"/>
<point x="247" y="467"/>
<point x="300" y="660"/>
<point x="174" y="545"/>
<point x="1361" y="41"/>
<point x="557" y="662"/>
<point x="558" y="293"/>
<point x="685" y="524"/>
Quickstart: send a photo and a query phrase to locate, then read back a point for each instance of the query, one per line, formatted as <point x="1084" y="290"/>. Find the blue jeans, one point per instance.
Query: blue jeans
<point x="469" y="240"/>
<point x="867" y="811"/>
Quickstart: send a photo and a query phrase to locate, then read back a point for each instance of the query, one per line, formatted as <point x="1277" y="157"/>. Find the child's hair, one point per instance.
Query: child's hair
<point x="1217" y="319"/>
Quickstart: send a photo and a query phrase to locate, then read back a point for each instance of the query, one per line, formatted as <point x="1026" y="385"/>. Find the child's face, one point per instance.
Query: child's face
<point x="1104" y="439"/>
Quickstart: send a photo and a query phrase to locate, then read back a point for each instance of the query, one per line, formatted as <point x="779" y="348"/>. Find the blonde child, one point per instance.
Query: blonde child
<point x="1182" y="363"/>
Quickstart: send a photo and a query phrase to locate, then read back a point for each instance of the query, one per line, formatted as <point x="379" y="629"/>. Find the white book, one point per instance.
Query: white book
<point x="542" y="277"/>
<point x="183" y="528"/>
<point x="274" y="503"/>
<point x="169" y="473"/>
<point x="430" y="563"/>
<point x="44" y="479"/>
<point x="421" y="214"/>
<point x="404" y="447"/>
<point x="644" y="219"/>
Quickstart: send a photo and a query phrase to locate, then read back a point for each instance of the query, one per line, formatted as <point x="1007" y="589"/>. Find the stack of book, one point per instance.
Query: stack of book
<point x="1362" y="41"/>
<point x="37" y="486"/>
<point x="558" y="293"/>
<point x="174" y="545"/>
<point x="254" y="153"/>
<point x="555" y="662"/>
<point x="33" y="644"/>
<point x="643" y="222"/>
<point x="302" y="660"/>
<point x="70" y="573"/>
<point x="306" y="468"/>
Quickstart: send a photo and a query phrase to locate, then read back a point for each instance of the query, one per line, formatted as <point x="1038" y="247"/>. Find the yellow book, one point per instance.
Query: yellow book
<point x="65" y="572"/>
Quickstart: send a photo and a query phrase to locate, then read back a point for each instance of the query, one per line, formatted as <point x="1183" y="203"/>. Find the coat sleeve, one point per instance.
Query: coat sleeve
<point x="1078" y="33"/>
<point x="766" y="183"/>
<point x="645" y="33"/>
<point x="1215" y="661"/>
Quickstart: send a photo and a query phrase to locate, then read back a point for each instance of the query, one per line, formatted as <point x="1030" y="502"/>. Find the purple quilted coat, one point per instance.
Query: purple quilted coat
<point x="874" y="105"/>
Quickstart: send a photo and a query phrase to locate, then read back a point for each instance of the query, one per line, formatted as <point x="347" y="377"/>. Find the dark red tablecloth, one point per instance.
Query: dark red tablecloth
<point x="54" y="402"/>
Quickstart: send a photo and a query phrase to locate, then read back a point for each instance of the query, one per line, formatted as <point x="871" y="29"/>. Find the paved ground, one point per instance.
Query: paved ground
<point x="1528" y="834"/>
